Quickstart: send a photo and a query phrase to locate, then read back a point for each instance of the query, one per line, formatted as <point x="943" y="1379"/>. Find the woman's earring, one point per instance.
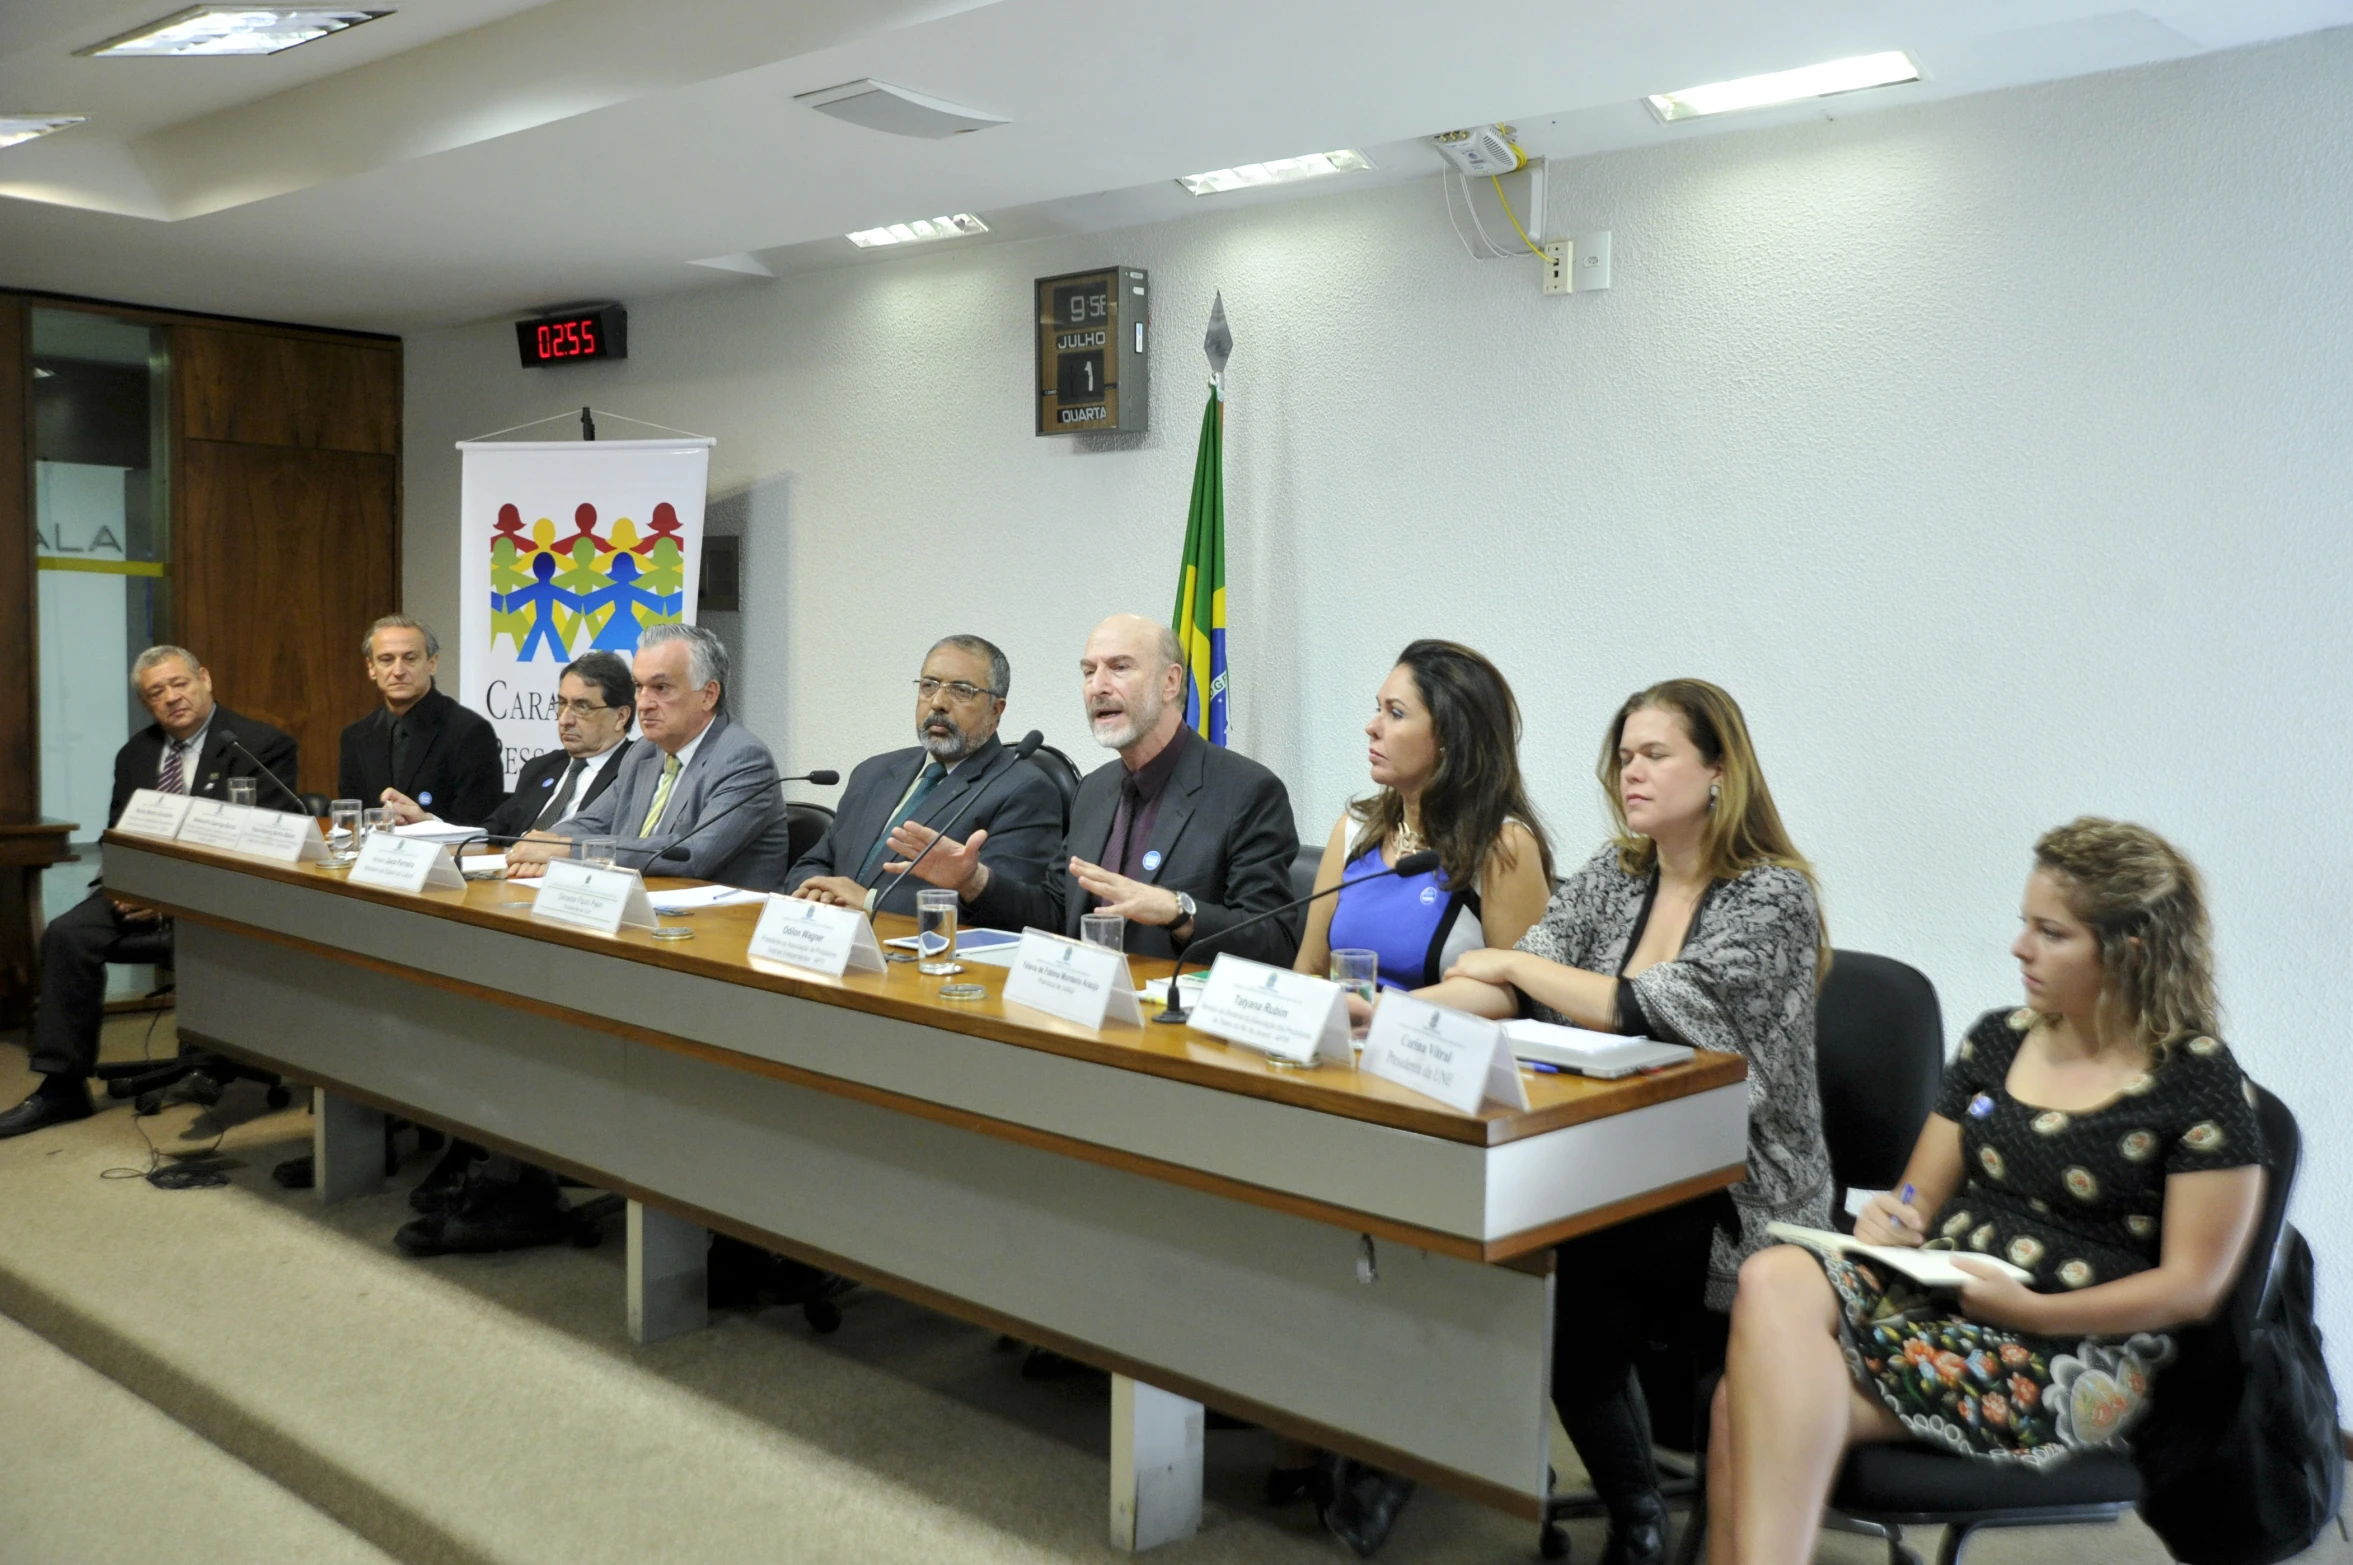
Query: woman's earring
<point x="1715" y="792"/>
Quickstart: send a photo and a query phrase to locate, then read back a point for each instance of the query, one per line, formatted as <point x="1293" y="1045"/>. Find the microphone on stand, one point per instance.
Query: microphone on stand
<point x="1174" y="1013"/>
<point x="823" y="778"/>
<point x="229" y="737"/>
<point x="1021" y="752"/>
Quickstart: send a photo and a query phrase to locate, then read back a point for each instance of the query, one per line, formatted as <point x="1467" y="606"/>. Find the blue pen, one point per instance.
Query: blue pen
<point x="1540" y="1068"/>
<point x="1904" y="1196"/>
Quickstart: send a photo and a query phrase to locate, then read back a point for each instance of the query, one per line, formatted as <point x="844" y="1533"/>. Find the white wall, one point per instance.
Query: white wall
<point x="1994" y="454"/>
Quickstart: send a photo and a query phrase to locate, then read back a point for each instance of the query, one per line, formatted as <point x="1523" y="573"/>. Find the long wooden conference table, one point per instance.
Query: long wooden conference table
<point x="1318" y="1251"/>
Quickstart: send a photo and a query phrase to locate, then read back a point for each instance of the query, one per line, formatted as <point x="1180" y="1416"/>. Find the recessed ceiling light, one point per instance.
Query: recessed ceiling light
<point x="1275" y="171"/>
<point x="902" y="111"/>
<point x="15" y="128"/>
<point x="922" y="231"/>
<point x="232" y="29"/>
<point x="1807" y="81"/>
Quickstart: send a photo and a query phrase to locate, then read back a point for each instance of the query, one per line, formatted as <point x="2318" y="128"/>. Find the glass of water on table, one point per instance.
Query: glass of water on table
<point x="343" y="830"/>
<point x="935" y="933"/>
<point x="1358" y="972"/>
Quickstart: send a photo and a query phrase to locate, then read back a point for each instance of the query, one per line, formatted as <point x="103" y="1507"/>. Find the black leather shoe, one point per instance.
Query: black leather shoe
<point x="58" y="1100"/>
<point x="1366" y="1507"/>
<point x="1638" y="1531"/>
<point x="296" y="1173"/>
<point x="440" y="1188"/>
<point x="487" y="1219"/>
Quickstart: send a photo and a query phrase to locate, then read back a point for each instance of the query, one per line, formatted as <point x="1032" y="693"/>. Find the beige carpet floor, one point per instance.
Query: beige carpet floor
<point x="493" y="1409"/>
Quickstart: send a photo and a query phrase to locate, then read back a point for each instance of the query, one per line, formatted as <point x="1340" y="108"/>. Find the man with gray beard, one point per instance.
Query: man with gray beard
<point x="959" y="700"/>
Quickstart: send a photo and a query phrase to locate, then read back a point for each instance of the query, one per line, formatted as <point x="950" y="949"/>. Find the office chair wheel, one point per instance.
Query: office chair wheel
<point x="1553" y="1542"/>
<point x="823" y="1315"/>
<point x="279" y="1096"/>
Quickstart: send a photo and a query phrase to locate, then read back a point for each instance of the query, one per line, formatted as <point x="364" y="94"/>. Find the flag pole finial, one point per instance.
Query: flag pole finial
<point x="1218" y="341"/>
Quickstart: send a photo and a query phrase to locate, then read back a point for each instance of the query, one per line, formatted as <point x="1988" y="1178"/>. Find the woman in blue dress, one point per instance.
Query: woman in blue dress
<point x="1445" y="759"/>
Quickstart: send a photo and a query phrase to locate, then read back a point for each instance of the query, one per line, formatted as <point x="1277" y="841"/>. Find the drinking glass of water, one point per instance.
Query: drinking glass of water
<point x="599" y="852"/>
<point x="372" y="821"/>
<point x="935" y="932"/>
<point x="343" y="830"/>
<point x="240" y="790"/>
<point x="1358" y="972"/>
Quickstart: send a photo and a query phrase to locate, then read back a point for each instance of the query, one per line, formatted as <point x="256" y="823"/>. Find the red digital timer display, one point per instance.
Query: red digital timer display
<point x="564" y="339"/>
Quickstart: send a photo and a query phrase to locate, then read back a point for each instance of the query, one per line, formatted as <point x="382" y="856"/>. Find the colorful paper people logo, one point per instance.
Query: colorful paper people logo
<point x="585" y="592"/>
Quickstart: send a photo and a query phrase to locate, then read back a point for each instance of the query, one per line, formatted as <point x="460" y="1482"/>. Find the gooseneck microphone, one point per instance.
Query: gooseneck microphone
<point x="1021" y="752"/>
<point x="1172" y="1011"/>
<point x="229" y="738"/>
<point x="823" y="778"/>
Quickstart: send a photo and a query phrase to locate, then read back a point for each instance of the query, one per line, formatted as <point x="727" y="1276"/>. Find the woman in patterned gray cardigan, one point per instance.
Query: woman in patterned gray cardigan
<point x="1698" y="924"/>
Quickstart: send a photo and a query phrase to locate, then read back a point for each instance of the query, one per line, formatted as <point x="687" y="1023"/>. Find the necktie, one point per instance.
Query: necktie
<point x="174" y="779"/>
<point x="653" y="817"/>
<point x="1116" y="856"/>
<point x="907" y="806"/>
<point x="563" y="799"/>
<point x="400" y="751"/>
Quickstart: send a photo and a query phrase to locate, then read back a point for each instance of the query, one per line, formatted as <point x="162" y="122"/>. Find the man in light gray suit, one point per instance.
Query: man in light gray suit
<point x="693" y="766"/>
<point x="958" y="771"/>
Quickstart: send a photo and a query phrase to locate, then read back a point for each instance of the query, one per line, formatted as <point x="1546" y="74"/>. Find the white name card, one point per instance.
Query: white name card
<point x="283" y="838"/>
<point x="1275" y="1010"/>
<point x="392" y="863"/>
<point x="1085" y="984"/>
<point x="590" y="898"/>
<point x="210" y="823"/>
<point x="1453" y="1056"/>
<point x="828" y="940"/>
<point x="153" y="814"/>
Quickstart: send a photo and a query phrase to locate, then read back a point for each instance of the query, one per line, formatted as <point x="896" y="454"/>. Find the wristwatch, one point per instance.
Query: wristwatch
<point x="1185" y="912"/>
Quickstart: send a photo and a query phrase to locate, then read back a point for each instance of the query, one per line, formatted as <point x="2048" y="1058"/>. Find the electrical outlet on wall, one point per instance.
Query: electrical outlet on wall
<point x="1556" y="264"/>
<point x="1592" y="269"/>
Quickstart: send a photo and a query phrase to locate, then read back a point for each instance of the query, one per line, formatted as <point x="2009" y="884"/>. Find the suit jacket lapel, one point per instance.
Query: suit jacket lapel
<point x="211" y="762"/>
<point x="605" y="775"/>
<point x="1176" y="809"/>
<point x="1091" y="813"/>
<point x="957" y="786"/>
<point x="424" y="731"/>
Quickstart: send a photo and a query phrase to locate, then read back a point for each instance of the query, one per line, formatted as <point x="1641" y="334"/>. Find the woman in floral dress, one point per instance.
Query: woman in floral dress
<point x="2101" y="1139"/>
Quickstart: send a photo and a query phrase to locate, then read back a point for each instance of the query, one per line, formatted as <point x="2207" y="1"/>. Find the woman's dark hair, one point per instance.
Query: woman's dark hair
<point x="1476" y="787"/>
<point x="610" y="678"/>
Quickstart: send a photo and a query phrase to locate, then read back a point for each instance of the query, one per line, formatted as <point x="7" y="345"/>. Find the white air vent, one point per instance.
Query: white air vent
<point x="881" y="106"/>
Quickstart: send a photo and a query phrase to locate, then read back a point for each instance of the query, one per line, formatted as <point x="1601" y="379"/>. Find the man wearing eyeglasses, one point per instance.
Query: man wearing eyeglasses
<point x="596" y="700"/>
<point x="957" y="757"/>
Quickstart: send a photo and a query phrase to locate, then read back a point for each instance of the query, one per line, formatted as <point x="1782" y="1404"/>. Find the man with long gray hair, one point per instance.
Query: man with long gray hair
<point x="187" y="749"/>
<point x="698" y="766"/>
<point x="956" y="768"/>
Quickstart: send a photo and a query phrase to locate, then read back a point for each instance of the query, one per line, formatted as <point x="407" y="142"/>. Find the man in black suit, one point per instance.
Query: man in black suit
<point x="957" y="764"/>
<point x="1183" y="838"/>
<point x="596" y="701"/>
<point x="419" y="743"/>
<point x="185" y="750"/>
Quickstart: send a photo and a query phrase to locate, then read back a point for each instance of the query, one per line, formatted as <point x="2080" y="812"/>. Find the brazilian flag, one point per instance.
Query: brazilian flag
<point x="1200" y="617"/>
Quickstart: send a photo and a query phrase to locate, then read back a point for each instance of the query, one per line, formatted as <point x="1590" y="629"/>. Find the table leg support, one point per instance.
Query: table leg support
<point x="1155" y="1466"/>
<point x="347" y="1147"/>
<point x="669" y="1291"/>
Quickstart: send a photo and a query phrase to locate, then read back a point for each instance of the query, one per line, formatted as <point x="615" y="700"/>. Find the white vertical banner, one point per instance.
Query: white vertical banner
<point x="567" y="547"/>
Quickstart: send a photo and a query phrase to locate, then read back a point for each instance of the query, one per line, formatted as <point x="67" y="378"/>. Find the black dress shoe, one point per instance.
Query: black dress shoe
<point x="1638" y="1531"/>
<point x="490" y="1218"/>
<point x="56" y="1101"/>
<point x="440" y="1188"/>
<point x="297" y="1173"/>
<point x="1365" y="1507"/>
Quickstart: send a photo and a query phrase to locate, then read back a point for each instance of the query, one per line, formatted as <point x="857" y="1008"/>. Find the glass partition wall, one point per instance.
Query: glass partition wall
<point x="101" y="404"/>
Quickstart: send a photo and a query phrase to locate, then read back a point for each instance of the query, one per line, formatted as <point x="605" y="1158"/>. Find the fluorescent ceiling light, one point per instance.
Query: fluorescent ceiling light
<point x="25" y="127"/>
<point x="1807" y="81"/>
<point x="921" y="231"/>
<point x="232" y="29"/>
<point x="1276" y="171"/>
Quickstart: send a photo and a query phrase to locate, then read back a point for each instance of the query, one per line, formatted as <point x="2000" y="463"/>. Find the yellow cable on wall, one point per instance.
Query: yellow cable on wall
<point x="1497" y="182"/>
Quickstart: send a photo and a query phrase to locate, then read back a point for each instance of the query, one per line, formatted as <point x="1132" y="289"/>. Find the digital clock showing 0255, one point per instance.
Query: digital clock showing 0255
<point x="1091" y="341"/>
<point x="570" y="338"/>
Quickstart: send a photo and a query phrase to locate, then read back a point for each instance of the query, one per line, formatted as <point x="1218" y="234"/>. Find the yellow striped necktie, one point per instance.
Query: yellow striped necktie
<point x="653" y="817"/>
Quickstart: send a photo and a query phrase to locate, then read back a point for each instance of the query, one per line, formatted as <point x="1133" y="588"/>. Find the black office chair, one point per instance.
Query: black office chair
<point x="1891" y="1487"/>
<point x="804" y="824"/>
<point x="1878" y="1056"/>
<point x="1061" y="773"/>
<point x="1309" y="859"/>
<point x="317" y="805"/>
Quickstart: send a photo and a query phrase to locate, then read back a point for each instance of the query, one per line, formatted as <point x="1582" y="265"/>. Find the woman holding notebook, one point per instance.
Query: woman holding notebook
<point x="1696" y="924"/>
<point x="2100" y="1137"/>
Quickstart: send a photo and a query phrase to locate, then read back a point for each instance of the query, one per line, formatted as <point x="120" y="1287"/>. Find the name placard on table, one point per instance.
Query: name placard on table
<point x="1453" y="1056"/>
<point x="1079" y="983"/>
<point x="282" y="838"/>
<point x="1297" y="1016"/>
<point x="811" y="935"/>
<point x="392" y="863"/>
<point x="151" y="813"/>
<point x="211" y="823"/>
<point x="587" y="897"/>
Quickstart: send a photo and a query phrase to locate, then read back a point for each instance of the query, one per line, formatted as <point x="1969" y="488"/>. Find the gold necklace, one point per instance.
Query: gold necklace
<point x="1407" y="840"/>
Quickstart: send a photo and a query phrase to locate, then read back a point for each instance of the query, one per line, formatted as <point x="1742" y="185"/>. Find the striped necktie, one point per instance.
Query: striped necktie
<point x="174" y="778"/>
<point x="653" y="817"/>
<point x="928" y="780"/>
